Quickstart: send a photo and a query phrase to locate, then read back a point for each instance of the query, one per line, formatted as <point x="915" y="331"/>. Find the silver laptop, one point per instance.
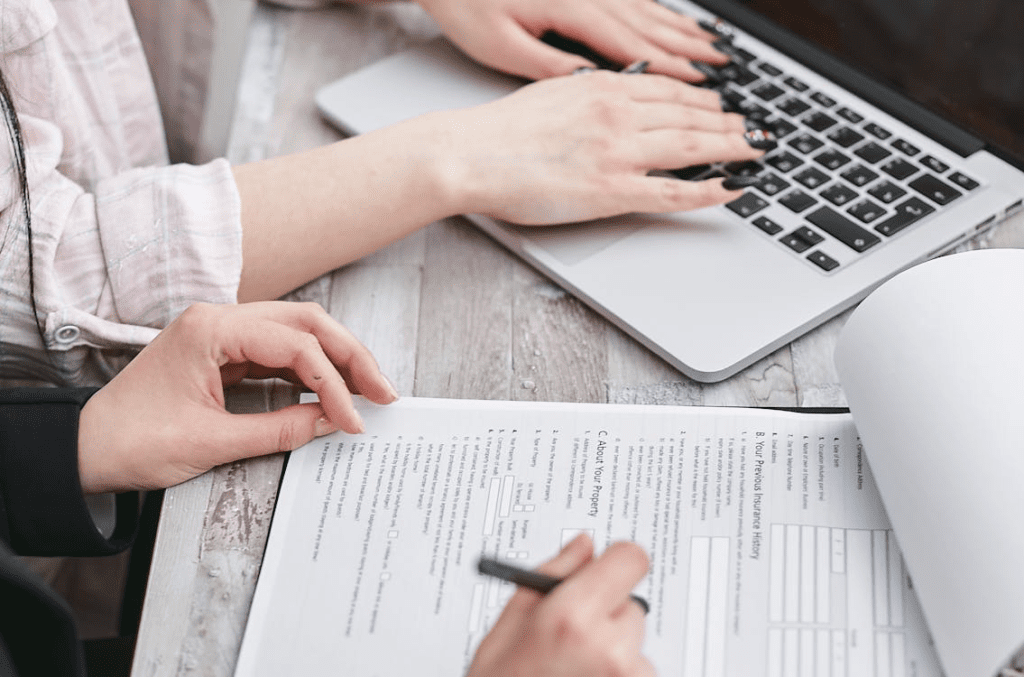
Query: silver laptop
<point x="865" y="182"/>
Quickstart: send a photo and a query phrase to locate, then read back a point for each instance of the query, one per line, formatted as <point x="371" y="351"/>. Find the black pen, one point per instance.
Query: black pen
<point x="532" y="579"/>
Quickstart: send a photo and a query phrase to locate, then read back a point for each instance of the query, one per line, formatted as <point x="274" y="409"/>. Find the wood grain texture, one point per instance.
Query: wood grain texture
<point x="447" y="312"/>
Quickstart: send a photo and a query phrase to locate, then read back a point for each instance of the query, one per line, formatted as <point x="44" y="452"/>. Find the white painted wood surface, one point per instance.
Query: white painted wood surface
<point x="447" y="312"/>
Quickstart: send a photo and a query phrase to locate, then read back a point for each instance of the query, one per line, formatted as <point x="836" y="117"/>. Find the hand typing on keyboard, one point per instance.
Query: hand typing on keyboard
<point x="505" y="34"/>
<point x="581" y="147"/>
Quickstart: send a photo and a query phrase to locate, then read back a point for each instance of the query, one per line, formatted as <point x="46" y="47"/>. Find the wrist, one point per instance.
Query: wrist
<point x="441" y="174"/>
<point x="95" y="452"/>
<point x="459" y="171"/>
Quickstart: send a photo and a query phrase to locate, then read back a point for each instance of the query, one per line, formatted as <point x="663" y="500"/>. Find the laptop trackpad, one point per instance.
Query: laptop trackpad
<point x="577" y="242"/>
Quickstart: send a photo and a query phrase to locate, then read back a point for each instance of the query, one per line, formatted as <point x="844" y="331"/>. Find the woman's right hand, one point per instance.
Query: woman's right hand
<point x="581" y="147"/>
<point x="587" y="627"/>
<point x="560" y="150"/>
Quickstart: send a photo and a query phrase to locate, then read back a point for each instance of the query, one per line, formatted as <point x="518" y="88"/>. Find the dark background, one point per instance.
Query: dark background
<point x="963" y="59"/>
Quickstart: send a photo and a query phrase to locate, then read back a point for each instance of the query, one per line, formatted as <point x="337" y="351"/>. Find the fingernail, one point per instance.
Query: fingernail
<point x="710" y="73"/>
<point x="716" y="27"/>
<point x="725" y="46"/>
<point x="753" y="123"/>
<point x="636" y="67"/>
<point x="760" y="139"/>
<point x="584" y="69"/>
<point x="739" y="182"/>
<point x="324" y="427"/>
<point x="391" y="389"/>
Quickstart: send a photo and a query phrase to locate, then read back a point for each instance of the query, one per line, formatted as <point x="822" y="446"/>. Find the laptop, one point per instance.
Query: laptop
<point x="865" y="182"/>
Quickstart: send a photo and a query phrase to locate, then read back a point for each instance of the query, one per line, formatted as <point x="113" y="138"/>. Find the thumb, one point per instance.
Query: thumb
<point x="526" y="55"/>
<point x="246" y="435"/>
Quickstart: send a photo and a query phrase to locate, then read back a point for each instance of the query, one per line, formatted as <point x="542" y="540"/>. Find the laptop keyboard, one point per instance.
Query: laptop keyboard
<point x="846" y="183"/>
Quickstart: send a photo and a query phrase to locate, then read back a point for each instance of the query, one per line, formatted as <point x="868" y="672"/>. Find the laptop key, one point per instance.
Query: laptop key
<point x="822" y="260"/>
<point x="908" y="212"/>
<point x="965" y="182"/>
<point x="849" y="115"/>
<point x="905" y="147"/>
<point x="935" y="189"/>
<point x="784" y="162"/>
<point x="887" y="192"/>
<point x="769" y="69"/>
<point x="872" y="152"/>
<point x="767" y="225"/>
<point x="771" y="184"/>
<point x="899" y="169"/>
<point x="934" y="164"/>
<point x="796" y="85"/>
<point x="818" y="121"/>
<point x="823" y="100"/>
<point x="779" y="127"/>
<point x="793" y="107"/>
<point x="747" y="205"/>
<point x="808" y="235"/>
<point x="738" y="74"/>
<point x="838" y="194"/>
<point x="754" y="112"/>
<point x="749" y="168"/>
<point x="831" y="158"/>
<point x="812" y="178"/>
<point x="867" y="211"/>
<point x="805" y="143"/>
<point x="845" y="137"/>
<point x="843" y="229"/>
<point x="797" y="201"/>
<point x="743" y="54"/>
<point x="768" y="91"/>
<point x="859" y="175"/>
<point x="876" y="131"/>
<point x="731" y="100"/>
<point x="795" y="242"/>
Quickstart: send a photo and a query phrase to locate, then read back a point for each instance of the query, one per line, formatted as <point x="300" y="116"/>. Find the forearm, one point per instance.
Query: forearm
<point x="306" y="214"/>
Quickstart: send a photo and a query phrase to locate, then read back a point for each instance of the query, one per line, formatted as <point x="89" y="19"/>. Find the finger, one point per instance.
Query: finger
<point x="533" y="58"/>
<point x="657" y="195"/>
<point x="622" y="637"/>
<point x="248" y="435"/>
<point x="681" y="22"/>
<point x="672" y="148"/>
<point x="278" y="346"/>
<point x="570" y="559"/>
<point x="655" y="115"/>
<point x="674" y="66"/>
<point x="687" y="46"/>
<point x="624" y="44"/>
<point x="628" y="623"/>
<point x="606" y="582"/>
<point x="354" y="361"/>
<point x="660" y="88"/>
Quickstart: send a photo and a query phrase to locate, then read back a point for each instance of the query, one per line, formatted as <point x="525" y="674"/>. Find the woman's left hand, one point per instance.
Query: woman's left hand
<point x="162" y="421"/>
<point x="504" y="34"/>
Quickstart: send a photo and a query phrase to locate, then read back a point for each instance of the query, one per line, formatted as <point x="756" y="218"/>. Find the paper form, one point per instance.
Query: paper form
<point x="932" y="367"/>
<point x="770" y="551"/>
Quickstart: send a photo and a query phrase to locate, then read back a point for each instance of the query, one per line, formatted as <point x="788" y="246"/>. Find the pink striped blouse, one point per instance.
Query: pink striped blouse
<point x="122" y="243"/>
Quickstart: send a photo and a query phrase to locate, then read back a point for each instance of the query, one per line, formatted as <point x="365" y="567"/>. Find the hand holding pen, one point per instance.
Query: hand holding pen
<point x="586" y="625"/>
<point x="534" y="580"/>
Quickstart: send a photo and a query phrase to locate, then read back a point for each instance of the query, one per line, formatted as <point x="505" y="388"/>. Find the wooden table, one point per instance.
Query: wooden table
<point x="447" y="312"/>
